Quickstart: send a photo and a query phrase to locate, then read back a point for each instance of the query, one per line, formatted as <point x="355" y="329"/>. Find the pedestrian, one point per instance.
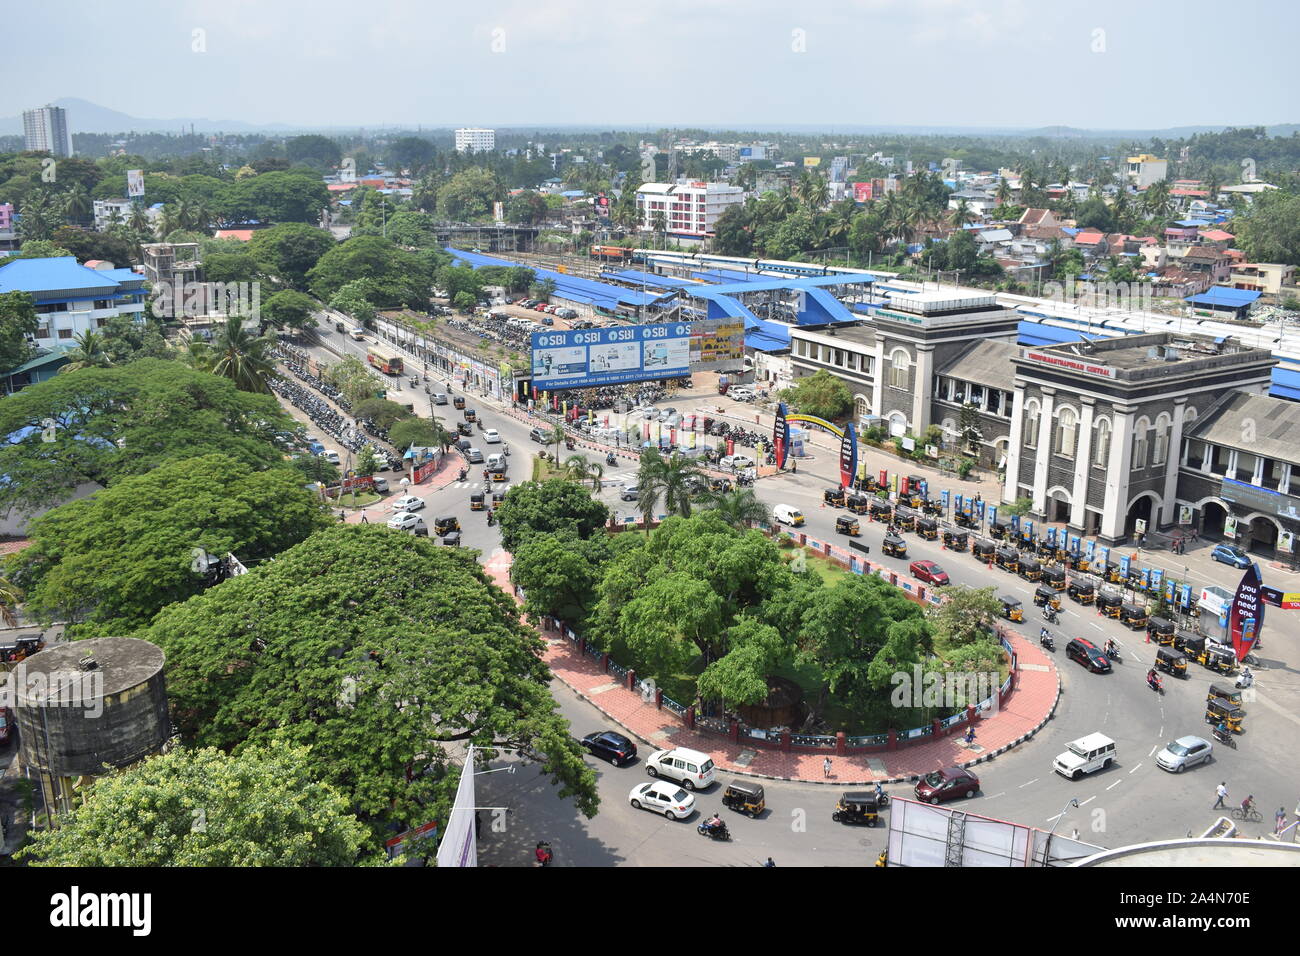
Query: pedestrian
<point x="364" y="517"/>
<point x="826" y="767"/>
<point x="794" y="467"/>
<point x="1279" y="820"/>
<point x="1222" y="791"/>
<point x="769" y="864"/>
<point x="970" y="734"/>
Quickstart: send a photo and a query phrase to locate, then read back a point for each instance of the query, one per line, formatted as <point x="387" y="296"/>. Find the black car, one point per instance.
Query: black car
<point x="615" y="748"/>
<point x="1088" y="654"/>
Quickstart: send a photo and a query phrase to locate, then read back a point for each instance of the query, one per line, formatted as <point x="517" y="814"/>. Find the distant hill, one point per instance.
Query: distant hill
<point x="87" y="117"/>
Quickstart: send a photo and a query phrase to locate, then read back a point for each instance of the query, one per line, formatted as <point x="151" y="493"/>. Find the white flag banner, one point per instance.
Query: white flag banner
<point x="459" y="846"/>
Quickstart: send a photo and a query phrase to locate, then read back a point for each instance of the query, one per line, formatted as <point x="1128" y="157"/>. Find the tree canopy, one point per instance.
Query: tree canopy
<point x="821" y="395"/>
<point x="549" y="507"/>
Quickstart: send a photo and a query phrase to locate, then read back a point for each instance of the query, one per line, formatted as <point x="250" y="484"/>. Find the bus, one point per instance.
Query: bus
<point x="385" y="359"/>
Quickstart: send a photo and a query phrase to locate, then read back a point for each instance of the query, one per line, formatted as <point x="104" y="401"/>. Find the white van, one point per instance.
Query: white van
<point x="1093" y="752"/>
<point x="497" y="463"/>
<point x="788" y="514"/>
<point x="692" y="769"/>
<point x="357" y="334"/>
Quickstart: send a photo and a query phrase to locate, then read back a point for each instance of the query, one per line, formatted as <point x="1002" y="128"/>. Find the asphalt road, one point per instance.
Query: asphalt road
<point x="1130" y="802"/>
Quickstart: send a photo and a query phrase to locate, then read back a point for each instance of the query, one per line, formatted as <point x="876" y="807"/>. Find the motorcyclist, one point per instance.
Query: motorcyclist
<point x="880" y="791"/>
<point x="491" y="517"/>
<point x="543" y="854"/>
<point x="1110" y="649"/>
<point x="1222" y="729"/>
<point x="1246" y="678"/>
<point x="714" y="823"/>
<point x="1042" y="634"/>
<point x="463" y="473"/>
<point x="610" y="459"/>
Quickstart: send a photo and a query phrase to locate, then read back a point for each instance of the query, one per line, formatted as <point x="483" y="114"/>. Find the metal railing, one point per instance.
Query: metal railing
<point x="813" y="740"/>
<point x="672" y="705"/>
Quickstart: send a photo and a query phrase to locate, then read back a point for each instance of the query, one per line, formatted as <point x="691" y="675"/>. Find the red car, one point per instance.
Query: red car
<point x="928" y="572"/>
<point x="947" y="784"/>
<point x="540" y="307"/>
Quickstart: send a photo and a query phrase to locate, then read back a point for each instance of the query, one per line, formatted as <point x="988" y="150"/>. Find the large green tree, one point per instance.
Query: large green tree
<point x="382" y="652"/>
<point x="288" y="251"/>
<point x="111" y="561"/>
<point x="1269" y="231"/>
<point x="549" y="507"/>
<point x="560" y="574"/>
<point x="821" y="395"/>
<point x="17" y="321"/>
<point x="264" y="807"/>
<point x="396" y="277"/>
<point x="289" y="310"/>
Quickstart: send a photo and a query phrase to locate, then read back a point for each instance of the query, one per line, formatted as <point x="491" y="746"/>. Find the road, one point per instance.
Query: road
<point x="1132" y="801"/>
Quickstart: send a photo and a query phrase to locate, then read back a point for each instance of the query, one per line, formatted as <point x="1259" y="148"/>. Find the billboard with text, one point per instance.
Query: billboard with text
<point x="580" y="358"/>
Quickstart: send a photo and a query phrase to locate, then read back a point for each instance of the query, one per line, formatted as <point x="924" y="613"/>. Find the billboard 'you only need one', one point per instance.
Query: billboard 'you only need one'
<point x="635" y="353"/>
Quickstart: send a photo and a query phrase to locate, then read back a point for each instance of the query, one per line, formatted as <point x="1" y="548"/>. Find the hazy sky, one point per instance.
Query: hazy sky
<point x="738" y="63"/>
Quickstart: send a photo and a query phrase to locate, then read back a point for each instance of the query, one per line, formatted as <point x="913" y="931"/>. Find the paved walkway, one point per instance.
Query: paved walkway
<point x="1028" y="708"/>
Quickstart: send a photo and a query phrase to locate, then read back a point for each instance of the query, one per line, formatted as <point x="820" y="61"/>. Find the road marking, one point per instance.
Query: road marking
<point x="1002" y="794"/>
<point x="1095" y="624"/>
<point x="1153" y="749"/>
<point x="1084" y="803"/>
<point x="1135" y="769"/>
<point x="1023" y="785"/>
<point x="1115" y="784"/>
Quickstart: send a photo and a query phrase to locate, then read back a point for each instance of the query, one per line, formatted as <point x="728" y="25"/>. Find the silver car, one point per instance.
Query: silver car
<point x="1184" y="752"/>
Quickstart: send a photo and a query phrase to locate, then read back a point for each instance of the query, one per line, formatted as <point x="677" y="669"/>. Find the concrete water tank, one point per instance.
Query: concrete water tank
<point x="91" y="706"/>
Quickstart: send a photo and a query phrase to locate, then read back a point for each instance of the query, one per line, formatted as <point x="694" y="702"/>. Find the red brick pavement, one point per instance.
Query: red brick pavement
<point x="1027" y="709"/>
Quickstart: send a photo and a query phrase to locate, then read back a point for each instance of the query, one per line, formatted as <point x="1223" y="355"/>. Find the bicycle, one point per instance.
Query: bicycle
<point x="1248" y="814"/>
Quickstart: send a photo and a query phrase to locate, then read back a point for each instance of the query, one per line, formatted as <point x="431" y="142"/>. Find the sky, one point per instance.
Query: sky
<point x="746" y="64"/>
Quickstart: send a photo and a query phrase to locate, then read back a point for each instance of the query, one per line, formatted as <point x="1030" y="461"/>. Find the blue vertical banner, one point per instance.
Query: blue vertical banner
<point x="1123" y="565"/>
<point x="1051" y="537"/>
<point x="943" y="496"/>
<point x="1029" y="529"/>
<point x="925" y="486"/>
<point x="959" y="502"/>
<point x="993" y="516"/>
<point x="1157" y="581"/>
<point x="1015" y="522"/>
<point x="1170" y="589"/>
<point x="1103" y="556"/>
<point x="1187" y="595"/>
<point x="1090" y="549"/>
<point x="1146" y="579"/>
<point x="979" y="509"/>
<point x="1074" y="544"/>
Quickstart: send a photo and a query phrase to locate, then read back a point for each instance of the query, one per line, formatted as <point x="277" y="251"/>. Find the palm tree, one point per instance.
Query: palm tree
<point x="811" y="191"/>
<point x="1004" y="192"/>
<point x="139" y="221"/>
<point x="89" y="353"/>
<point x="659" y="224"/>
<point x="76" y="204"/>
<point x="557" y="436"/>
<point x="740" y="508"/>
<point x="842" y="216"/>
<point x="243" y="357"/>
<point x="580" y="470"/>
<point x="198" y="355"/>
<point x="167" y="221"/>
<point x="10" y="597"/>
<point x="671" y="479"/>
<point x="961" y="215"/>
<point x="37" y="217"/>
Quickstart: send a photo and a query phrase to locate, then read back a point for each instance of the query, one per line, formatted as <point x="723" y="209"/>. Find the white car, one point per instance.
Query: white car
<point x="736" y="461"/>
<point x="405" y="521"/>
<point x="662" y="797"/>
<point x="741" y="394"/>
<point x="492" y="437"/>
<point x="331" y="456"/>
<point x="408" y="503"/>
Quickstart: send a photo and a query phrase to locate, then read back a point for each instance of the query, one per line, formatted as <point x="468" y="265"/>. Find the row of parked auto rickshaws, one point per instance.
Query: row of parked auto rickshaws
<point x="747" y="797"/>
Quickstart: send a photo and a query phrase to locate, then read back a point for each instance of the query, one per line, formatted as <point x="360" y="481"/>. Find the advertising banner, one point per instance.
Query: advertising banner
<point x="1123" y="565"/>
<point x="1187" y="595"/>
<point x="1051" y="537"/>
<point x="135" y="183"/>
<point x="1157" y="578"/>
<point x="579" y="358"/>
<point x="1246" y="615"/>
<point x="848" y="456"/>
<point x="781" y="435"/>
<point x="1103" y="556"/>
<point x="943" y="496"/>
<point x="993" y="516"/>
<point x="884" y="478"/>
<point x="1090" y="550"/>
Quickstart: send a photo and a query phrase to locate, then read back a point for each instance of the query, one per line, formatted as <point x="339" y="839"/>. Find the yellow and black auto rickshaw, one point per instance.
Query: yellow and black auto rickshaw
<point x="1045" y="596"/>
<point x="847" y="524"/>
<point x="476" y="501"/>
<point x="956" y="540"/>
<point x="927" y="528"/>
<point x="1109" y="602"/>
<point x="904" y="518"/>
<point x="1011" y="608"/>
<point x="858" y="504"/>
<point x="1031" y="569"/>
<point x="933" y="507"/>
<point x="880" y="510"/>
<point x="984" y="549"/>
<point x="1008" y="559"/>
<point x="1054" y="577"/>
<point x="1172" y="662"/>
<point x="497" y="498"/>
<point x="744" y="796"/>
<point x="470" y="415"/>
<point x="894" y="546"/>
<point x="1218" y="710"/>
<point x="1000" y="529"/>
<point x="861" y="806"/>
<point x="834" y="497"/>
<point x="458" y="402"/>
<point x="1230" y="694"/>
<point x="1219" y="659"/>
<point x="1081" y="591"/>
<point x="1133" y="615"/>
<point x="445" y="524"/>
<point x="965" y="519"/>
<point x="1161" y="631"/>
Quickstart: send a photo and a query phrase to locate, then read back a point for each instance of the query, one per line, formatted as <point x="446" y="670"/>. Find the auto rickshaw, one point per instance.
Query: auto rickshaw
<point x="1109" y="602"/>
<point x="452" y="539"/>
<point x="1054" y="577"/>
<point x="1075" y="561"/>
<point x="1134" y="582"/>
<point x="1046" y="550"/>
<point x="858" y="504"/>
<point x="1110" y="573"/>
<point x="932" y="507"/>
<point x="955" y="540"/>
<point x="445" y="524"/>
<point x="499" y="474"/>
<point x="1026" y="540"/>
<point x="1161" y="631"/>
<point x="927" y="528"/>
<point x="861" y="806"/>
<point x="745" y="797"/>
<point x="1219" y="710"/>
<point x="894" y="546"/>
<point x="1081" y="591"/>
<point x="471" y="415"/>
<point x="1000" y="529"/>
<point x="1221" y="660"/>
<point x="1133" y="615"/>
<point x="910" y="498"/>
<point x="984" y="550"/>
<point x="476" y="501"/>
<point x="1008" y="559"/>
<point x="847" y="524"/>
<point x="1011" y="608"/>
<point x="834" y="497"/>
<point x="458" y="402"/>
<point x="719" y="485"/>
<point x="1045" y="596"/>
<point x="497" y="498"/>
<point x="904" y="518"/>
<point x="964" y="519"/>
<point x="1230" y="694"/>
<point x="20" y="649"/>
<point x="1031" y="569"/>
<point x="1172" y="662"/>
<point x="880" y="510"/>
<point x="1190" y="644"/>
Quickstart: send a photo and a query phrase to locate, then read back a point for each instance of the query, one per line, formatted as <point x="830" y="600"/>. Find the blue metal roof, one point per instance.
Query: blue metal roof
<point x="1286" y="383"/>
<point x="1220" y="295"/>
<point x="650" y="279"/>
<point x="61" y="274"/>
<point x="1191" y="223"/>
<point x="567" y="286"/>
<point x="1036" y="333"/>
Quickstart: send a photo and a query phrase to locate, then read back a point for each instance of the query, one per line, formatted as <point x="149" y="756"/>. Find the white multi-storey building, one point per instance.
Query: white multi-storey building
<point x="689" y="209"/>
<point x="72" y="299"/>
<point x="474" y="140"/>
<point x="46" y="130"/>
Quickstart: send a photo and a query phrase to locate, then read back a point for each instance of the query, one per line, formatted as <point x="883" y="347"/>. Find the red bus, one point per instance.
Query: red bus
<point x="385" y="359"/>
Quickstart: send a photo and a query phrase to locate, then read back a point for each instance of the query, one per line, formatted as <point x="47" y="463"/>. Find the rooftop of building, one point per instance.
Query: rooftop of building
<point x="1271" y="423"/>
<point x="120" y="662"/>
<point x="1155" y="354"/>
<point x="985" y="363"/>
<point x="857" y="334"/>
<point x="58" y="274"/>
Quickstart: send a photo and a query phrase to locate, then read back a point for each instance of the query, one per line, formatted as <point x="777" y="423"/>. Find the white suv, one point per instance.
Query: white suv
<point x="1093" y="752"/>
<point x="692" y="769"/>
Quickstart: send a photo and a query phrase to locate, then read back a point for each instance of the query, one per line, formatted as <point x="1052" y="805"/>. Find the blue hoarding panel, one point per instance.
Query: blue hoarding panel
<point x="578" y="358"/>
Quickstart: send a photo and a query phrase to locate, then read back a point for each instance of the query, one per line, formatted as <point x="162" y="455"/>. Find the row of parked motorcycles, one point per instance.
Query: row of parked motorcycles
<point x="741" y="436"/>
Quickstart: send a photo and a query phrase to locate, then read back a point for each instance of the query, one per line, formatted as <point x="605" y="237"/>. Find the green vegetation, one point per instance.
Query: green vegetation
<point x="821" y="395"/>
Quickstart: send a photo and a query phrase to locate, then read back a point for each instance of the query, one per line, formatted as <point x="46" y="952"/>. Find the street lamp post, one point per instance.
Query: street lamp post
<point x="1047" y="844"/>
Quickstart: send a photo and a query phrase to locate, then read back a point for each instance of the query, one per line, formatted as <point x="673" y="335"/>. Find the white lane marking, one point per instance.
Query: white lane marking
<point x="1095" y="624"/>
<point x="1084" y="803"/>
<point x="1023" y="785"/>
<point x="1002" y="794"/>
<point x="1152" y="750"/>
<point x="1135" y="769"/>
<point x="1115" y="784"/>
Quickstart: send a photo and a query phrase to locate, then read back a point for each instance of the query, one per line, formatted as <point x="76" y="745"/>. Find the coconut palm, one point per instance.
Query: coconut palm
<point x="842" y="215"/>
<point x="659" y="224"/>
<point x="740" y="508"/>
<point x="10" y="597"/>
<point x="1003" y="193"/>
<point x="139" y="221"/>
<point x="167" y="222"/>
<point x="243" y="357"/>
<point x="581" y="470"/>
<point x="671" y="479"/>
<point x="960" y="215"/>
<point x="198" y="355"/>
<point x="90" y="352"/>
<point x="76" y="204"/>
<point x="37" y="217"/>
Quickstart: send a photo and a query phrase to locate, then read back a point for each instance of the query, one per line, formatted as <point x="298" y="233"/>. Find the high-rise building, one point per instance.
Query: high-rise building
<point x="689" y="209"/>
<point x="46" y="130"/>
<point x="475" y="140"/>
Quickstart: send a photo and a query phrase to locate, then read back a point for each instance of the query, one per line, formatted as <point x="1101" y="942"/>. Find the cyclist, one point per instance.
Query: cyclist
<point x="1248" y="805"/>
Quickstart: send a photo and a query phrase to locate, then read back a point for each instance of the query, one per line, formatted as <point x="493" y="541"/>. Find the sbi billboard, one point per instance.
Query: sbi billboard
<point x="633" y="353"/>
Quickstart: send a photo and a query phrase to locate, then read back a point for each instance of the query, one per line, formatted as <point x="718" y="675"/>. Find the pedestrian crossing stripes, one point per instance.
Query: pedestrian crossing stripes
<point x="498" y="486"/>
<point x="625" y="479"/>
